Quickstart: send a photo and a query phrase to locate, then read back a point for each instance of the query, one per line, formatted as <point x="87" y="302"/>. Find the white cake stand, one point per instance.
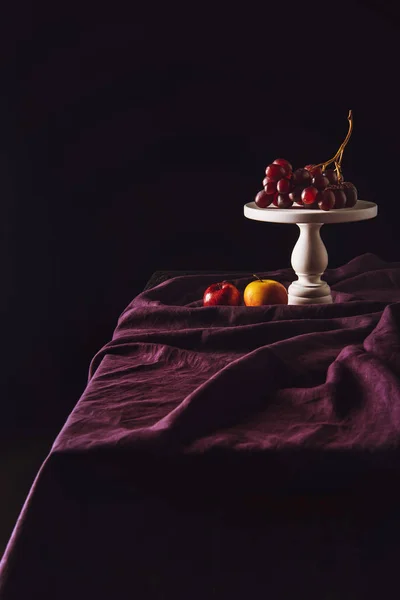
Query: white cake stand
<point x="309" y="256"/>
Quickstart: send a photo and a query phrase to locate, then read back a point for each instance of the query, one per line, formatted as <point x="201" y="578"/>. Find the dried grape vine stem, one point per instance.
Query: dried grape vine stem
<point x="337" y="159"/>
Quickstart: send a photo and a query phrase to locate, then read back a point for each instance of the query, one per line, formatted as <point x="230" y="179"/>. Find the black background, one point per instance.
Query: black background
<point x="132" y="138"/>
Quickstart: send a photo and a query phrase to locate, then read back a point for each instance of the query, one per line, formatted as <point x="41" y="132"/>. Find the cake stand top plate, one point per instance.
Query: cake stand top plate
<point x="360" y="212"/>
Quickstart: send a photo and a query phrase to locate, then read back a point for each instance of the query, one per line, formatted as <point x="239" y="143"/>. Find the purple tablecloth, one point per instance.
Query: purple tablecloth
<point x="227" y="452"/>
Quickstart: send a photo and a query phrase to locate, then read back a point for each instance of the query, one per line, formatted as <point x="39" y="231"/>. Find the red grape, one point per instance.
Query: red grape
<point x="283" y="201"/>
<point x="351" y="193"/>
<point x="275" y="200"/>
<point x="270" y="188"/>
<point x="340" y="196"/>
<point x="340" y="199"/>
<point x="326" y="200"/>
<point x="331" y="175"/>
<point x="265" y="181"/>
<point x="285" y="164"/>
<point x="313" y="170"/>
<point x="284" y="186"/>
<point x="309" y="194"/>
<point x="263" y="199"/>
<point x="320" y="182"/>
<point x="295" y="195"/>
<point x="275" y="172"/>
<point x="301" y="176"/>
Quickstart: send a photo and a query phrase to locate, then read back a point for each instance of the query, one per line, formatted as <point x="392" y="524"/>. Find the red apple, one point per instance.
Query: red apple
<point x="223" y="293"/>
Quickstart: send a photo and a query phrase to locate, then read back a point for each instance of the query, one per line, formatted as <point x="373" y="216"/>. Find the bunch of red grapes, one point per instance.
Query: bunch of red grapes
<point x="310" y="187"/>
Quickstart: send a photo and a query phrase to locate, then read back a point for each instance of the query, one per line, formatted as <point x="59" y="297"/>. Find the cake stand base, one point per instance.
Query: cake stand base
<point x="299" y="294"/>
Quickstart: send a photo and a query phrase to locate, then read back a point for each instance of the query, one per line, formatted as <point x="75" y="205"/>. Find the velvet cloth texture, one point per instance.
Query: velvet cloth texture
<point x="227" y="452"/>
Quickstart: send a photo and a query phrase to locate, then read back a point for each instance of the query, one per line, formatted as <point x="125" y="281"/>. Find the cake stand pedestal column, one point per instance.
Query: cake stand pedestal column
<point x="309" y="261"/>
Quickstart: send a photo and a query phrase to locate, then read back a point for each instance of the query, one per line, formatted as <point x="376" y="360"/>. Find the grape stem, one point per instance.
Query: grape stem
<point x="337" y="159"/>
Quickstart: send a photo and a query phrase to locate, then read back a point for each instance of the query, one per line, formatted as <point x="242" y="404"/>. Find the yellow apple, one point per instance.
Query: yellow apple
<point x="264" y="291"/>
